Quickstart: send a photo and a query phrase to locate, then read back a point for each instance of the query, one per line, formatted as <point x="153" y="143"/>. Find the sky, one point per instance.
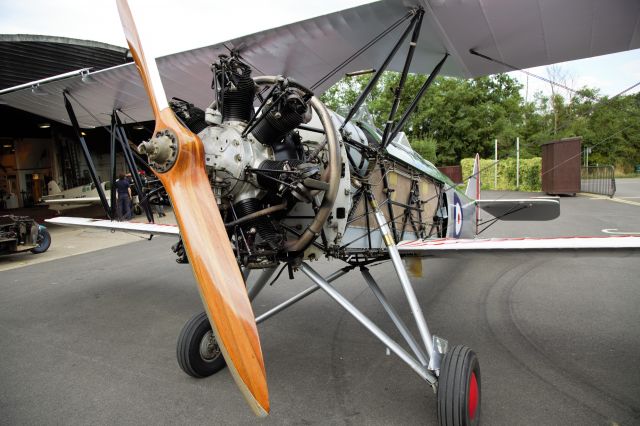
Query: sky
<point x="610" y="73"/>
<point x="203" y="24"/>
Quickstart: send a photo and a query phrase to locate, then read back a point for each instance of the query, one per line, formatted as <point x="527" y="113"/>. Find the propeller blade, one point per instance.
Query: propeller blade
<point x="203" y="232"/>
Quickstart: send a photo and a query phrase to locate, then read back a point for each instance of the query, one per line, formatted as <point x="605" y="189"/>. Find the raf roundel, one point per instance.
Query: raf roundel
<point x="457" y="216"/>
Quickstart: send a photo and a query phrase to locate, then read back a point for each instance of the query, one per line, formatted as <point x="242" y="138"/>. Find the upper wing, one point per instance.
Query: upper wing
<point x="448" y="245"/>
<point x="524" y="33"/>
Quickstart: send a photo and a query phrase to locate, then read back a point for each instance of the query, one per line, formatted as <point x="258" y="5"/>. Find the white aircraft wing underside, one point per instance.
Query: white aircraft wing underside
<point x="523" y="33"/>
<point x="448" y="245"/>
<point x="135" y="227"/>
<point x="85" y="200"/>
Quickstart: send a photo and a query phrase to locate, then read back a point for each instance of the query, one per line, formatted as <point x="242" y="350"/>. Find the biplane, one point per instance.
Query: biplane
<point x="79" y="196"/>
<point x="261" y="175"/>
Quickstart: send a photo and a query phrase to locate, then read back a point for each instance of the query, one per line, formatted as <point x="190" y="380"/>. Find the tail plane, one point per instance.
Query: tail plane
<point x="473" y="184"/>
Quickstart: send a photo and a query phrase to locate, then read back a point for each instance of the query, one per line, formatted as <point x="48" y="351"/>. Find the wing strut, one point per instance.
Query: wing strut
<point x="361" y="50"/>
<point x="417" y="98"/>
<point x="372" y="83"/>
<point x="121" y="135"/>
<point x="87" y="156"/>
<point x="112" y="166"/>
<point x="403" y="77"/>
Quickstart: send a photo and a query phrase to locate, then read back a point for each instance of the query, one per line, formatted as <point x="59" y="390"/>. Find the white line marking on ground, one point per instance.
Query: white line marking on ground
<point x="617" y="200"/>
<point x="615" y="231"/>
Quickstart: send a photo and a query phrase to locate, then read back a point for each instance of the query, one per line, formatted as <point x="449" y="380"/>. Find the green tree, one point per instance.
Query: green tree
<point x="426" y="148"/>
<point x="457" y="118"/>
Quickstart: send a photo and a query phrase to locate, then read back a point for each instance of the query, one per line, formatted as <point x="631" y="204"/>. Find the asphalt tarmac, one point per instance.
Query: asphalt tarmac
<point x="90" y="339"/>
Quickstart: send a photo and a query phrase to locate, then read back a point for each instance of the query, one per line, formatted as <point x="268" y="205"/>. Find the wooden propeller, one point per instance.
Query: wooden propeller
<point x="203" y="233"/>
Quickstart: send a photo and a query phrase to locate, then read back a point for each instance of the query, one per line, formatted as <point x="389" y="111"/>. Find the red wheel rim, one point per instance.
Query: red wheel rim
<point x="472" y="401"/>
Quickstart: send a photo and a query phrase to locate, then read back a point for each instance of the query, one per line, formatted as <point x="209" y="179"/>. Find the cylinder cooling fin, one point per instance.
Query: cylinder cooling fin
<point x="191" y="116"/>
<point x="289" y="112"/>
<point x="272" y="170"/>
<point x="235" y="88"/>
<point x="263" y="226"/>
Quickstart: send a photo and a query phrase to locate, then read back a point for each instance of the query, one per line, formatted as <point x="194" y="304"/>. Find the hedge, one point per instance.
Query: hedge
<point x="530" y="172"/>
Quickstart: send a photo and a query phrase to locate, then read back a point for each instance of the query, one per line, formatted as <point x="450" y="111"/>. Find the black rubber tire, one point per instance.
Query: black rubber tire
<point x="455" y="385"/>
<point x="44" y="242"/>
<point x="188" y="351"/>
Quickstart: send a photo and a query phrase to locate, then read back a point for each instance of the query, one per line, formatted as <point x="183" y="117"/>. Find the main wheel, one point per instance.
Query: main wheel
<point x="44" y="241"/>
<point x="198" y="352"/>
<point x="459" y="388"/>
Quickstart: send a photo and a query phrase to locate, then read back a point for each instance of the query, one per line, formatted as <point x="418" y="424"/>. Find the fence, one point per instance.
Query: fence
<point x="598" y="180"/>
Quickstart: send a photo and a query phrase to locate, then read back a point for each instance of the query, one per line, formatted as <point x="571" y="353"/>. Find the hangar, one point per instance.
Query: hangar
<point x="33" y="149"/>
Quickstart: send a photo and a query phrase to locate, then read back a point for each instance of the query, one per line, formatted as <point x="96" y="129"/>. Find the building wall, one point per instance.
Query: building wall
<point x="26" y="168"/>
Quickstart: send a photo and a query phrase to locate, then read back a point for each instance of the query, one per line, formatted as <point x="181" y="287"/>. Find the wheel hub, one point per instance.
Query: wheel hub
<point x="473" y="396"/>
<point x="209" y="349"/>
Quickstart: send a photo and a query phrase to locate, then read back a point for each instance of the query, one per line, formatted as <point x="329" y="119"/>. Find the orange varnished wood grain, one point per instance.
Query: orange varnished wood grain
<point x="210" y="255"/>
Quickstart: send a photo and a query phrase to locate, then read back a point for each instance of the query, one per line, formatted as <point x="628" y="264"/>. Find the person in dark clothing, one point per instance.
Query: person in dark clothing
<point x="123" y="190"/>
<point x="133" y="195"/>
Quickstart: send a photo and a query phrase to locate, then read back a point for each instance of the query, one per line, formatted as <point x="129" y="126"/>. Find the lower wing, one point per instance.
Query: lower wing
<point x="137" y="227"/>
<point x="64" y="201"/>
<point x="448" y="245"/>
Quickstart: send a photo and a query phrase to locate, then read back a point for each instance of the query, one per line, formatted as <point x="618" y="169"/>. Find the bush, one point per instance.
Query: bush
<point x="530" y="173"/>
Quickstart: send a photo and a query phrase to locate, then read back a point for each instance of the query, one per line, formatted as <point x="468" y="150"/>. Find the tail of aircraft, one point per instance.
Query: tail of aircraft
<point x="473" y="187"/>
<point x="473" y="184"/>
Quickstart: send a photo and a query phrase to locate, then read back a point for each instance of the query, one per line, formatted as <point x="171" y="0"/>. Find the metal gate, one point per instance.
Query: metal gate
<point x="598" y="180"/>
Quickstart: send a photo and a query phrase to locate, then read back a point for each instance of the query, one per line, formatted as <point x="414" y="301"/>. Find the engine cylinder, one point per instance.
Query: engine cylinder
<point x="281" y="120"/>
<point x="236" y="88"/>
<point x="263" y="225"/>
<point x="274" y="168"/>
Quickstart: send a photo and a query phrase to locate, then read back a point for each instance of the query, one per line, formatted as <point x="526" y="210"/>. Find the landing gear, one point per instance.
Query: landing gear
<point x="44" y="241"/>
<point x="459" y="388"/>
<point x="198" y="352"/>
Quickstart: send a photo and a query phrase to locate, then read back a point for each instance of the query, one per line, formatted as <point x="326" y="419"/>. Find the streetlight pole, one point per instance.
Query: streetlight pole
<point x="517" y="163"/>
<point x="495" y="164"/>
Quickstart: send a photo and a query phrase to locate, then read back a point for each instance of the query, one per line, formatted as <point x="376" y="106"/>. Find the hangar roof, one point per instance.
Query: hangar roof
<point x="25" y="58"/>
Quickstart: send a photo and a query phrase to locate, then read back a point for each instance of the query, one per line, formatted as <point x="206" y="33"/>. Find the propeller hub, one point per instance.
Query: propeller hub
<point x="161" y="150"/>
